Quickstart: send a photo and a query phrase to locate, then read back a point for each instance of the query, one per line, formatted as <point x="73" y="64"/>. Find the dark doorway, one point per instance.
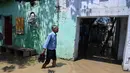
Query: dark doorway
<point x="7" y="30"/>
<point x="84" y="36"/>
<point x="93" y="37"/>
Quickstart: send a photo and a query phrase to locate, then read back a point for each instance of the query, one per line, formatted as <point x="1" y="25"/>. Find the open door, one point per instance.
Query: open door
<point x="75" y="55"/>
<point x="118" y="45"/>
<point x="126" y="54"/>
<point x="7" y="30"/>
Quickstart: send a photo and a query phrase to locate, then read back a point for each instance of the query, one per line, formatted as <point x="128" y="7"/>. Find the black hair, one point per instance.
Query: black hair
<point x="53" y="26"/>
<point x="32" y="13"/>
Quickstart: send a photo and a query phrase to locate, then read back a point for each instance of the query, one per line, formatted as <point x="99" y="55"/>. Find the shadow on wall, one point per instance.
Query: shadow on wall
<point x="46" y="14"/>
<point x="128" y="3"/>
<point x="33" y="37"/>
<point x="77" y="6"/>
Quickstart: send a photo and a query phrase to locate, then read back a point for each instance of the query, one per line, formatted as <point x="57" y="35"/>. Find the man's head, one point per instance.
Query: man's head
<point x="55" y="28"/>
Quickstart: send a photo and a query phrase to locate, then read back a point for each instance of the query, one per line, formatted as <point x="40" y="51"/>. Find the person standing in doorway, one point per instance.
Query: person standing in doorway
<point x="50" y="46"/>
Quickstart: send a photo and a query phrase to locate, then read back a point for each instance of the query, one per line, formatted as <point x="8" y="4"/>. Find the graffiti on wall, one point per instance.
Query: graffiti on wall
<point x="79" y="7"/>
<point x="128" y="3"/>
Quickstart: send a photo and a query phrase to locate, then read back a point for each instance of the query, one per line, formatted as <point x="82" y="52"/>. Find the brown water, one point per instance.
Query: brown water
<point x="80" y="66"/>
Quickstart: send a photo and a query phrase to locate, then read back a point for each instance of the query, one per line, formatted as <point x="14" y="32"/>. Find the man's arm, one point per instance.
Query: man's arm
<point x="46" y="42"/>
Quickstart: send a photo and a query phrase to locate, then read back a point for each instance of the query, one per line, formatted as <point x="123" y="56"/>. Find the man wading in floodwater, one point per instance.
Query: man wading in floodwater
<point x="50" y="46"/>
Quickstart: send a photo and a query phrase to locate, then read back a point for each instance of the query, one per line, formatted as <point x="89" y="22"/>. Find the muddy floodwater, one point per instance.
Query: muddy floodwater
<point x="63" y="66"/>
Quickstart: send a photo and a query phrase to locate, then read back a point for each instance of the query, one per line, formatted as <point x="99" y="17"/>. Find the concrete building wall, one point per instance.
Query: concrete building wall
<point x="66" y="19"/>
<point x="84" y="8"/>
<point x="32" y="38"/>
<point x="47" y="15"/>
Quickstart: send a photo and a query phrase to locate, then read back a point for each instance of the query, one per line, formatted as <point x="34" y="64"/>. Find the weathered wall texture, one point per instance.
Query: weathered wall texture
<point x="33" y="37"/>
<point x="47" y="15"/>
<point x="1" y="27"/>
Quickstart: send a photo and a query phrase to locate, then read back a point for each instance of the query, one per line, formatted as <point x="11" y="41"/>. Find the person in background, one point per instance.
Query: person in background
<point x="50" y="46"/>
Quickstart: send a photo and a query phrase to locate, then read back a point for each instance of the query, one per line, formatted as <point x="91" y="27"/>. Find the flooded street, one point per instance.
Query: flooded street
<point x="63" y="66"/>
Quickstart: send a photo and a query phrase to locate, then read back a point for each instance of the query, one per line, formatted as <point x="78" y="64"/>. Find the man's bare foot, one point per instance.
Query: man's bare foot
<point x="43" y="67"/>
<point x="53" y="65"/>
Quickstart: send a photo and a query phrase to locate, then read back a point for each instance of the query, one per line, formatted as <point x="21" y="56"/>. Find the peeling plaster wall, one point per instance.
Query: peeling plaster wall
<point x="83" y="8"/>
<point x="66" y="19"/>
<point x="33" y="37"/>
